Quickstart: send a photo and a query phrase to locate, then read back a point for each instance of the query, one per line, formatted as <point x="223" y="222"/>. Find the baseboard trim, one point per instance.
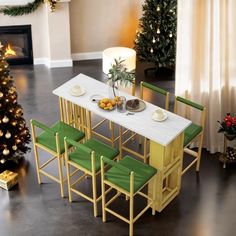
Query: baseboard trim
<point x="68" y="63"/>
<point x="86" y="56"/>
<point x="53" y="63"/>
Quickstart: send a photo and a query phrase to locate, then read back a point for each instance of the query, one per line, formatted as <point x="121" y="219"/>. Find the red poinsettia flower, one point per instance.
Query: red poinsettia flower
<point x="228" y="125"/>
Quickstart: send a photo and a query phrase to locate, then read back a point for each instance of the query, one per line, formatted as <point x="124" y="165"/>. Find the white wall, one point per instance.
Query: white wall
<point x="96" y="25"/>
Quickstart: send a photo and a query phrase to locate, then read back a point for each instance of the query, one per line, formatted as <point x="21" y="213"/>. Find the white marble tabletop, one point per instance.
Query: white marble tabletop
<point x="141" y="122"/>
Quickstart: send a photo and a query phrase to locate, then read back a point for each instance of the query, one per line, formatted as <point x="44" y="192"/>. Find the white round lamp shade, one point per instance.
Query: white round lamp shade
<point x="123" y="53"/>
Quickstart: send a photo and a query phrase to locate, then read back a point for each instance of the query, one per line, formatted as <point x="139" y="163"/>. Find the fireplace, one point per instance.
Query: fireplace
<point x="17" y="41"/>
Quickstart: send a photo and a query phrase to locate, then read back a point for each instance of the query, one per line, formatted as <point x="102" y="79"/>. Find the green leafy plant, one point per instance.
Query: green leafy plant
<point x="119" y="75"/>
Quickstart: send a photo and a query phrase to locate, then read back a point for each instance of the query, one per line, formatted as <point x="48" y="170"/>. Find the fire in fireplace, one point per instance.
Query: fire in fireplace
<point x="17" y="41"/>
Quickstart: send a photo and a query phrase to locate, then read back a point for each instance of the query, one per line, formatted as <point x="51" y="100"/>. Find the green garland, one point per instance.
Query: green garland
<point x="21" y="10"/>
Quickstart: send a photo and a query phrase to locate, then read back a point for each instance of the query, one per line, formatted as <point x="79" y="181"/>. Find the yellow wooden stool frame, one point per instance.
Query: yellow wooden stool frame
<point x="131" y="194"/>
<point x="196" y="154"/>
<point x="55" y="155"/>
<point x="112" y="139"/>
<point x="94" y="199"/>
<point x="145" y="155"/>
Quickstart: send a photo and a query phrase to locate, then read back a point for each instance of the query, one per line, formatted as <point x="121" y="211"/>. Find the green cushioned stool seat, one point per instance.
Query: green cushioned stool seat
<point x="47" y="139"/>
<point x="82" y="156"/>
<point x="191" y="132"/>
<point x="142" y="173"/>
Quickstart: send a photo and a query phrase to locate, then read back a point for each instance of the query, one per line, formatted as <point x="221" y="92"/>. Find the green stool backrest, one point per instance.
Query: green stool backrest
<point x="35" y="123"/>
<point x="192" y="104"/>
<point x="43" y="127"/>
<point x="77" y="145"/>
<point x="116" y="165"/>
<point x="155" y="89"/>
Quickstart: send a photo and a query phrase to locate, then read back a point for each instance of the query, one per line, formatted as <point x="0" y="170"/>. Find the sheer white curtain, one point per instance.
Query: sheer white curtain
<point x="206" y="60"/>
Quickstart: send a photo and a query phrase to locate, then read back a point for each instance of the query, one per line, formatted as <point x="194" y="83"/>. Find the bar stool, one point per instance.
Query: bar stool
<point x="86" y="158"/>
<point x="145" y="86"/>
<point x="192" y="132"/>
<point x="127" y="176"/>
<point x="51" y="140"/>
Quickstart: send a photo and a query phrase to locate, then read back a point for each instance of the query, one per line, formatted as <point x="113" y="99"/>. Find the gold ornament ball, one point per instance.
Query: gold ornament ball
<point x="8" y="135"/>
<point x="5" y="119"/>
<point x="5" y="152"/>
<point x="3" y="161"/>
<point x="14" y="147"/>
<point x="1" y="94"/>
<point x="1" y="133"/>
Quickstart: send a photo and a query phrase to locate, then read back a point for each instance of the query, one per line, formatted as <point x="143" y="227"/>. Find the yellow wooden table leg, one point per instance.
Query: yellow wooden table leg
<point x="168" y="161"/>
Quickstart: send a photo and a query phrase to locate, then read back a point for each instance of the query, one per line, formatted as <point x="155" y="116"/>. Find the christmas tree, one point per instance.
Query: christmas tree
<point x="156" y="40"/>
<point x="14" y="135"/>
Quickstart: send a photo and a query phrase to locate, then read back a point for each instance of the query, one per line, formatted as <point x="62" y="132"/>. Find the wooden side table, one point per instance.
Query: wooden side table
<point x="229" y="154"/>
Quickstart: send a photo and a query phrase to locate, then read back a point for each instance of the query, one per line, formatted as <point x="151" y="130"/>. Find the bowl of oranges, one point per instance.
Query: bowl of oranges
<point x="108" y="104"/>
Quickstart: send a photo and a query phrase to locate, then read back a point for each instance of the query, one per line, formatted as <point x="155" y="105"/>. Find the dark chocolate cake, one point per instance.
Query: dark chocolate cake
<point x="133" y="104"/>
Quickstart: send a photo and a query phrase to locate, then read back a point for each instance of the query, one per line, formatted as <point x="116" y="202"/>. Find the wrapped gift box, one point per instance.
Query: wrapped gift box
<point x="8" y="179"/>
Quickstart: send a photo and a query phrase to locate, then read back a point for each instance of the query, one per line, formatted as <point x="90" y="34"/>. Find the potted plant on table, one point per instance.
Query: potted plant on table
<point x="228" y="126"/>
<point x="119" y="75"/>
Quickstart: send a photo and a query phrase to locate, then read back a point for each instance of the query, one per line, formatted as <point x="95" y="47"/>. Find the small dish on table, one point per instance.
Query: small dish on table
<point x="77" y="90"/>
<point x="135" y="105"/>
<point x="159" y="115"/>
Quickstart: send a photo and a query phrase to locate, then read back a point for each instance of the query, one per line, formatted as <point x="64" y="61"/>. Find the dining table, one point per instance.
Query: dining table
<point x="166" y="137"/>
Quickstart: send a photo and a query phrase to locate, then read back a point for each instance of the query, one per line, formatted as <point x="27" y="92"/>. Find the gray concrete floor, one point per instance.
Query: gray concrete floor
<point x="205" y="207"/>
